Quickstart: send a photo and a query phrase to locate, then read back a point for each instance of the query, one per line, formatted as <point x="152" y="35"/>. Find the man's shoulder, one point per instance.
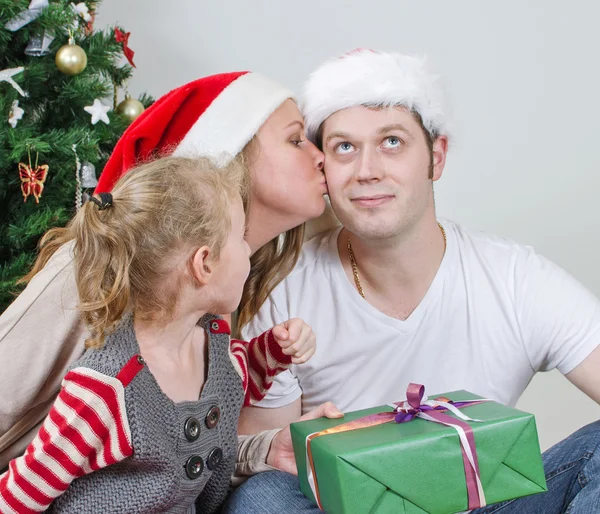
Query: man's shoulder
<point x="485" y="243"/>
<point x="500" y="255"/>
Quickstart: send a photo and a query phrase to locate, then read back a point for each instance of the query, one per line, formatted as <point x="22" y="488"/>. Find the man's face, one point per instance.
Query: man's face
<point x="377" y="164"/>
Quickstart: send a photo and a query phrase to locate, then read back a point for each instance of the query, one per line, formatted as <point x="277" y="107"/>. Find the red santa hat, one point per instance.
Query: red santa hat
<point x="212" y="117"/>
<point x="374" y="78"/>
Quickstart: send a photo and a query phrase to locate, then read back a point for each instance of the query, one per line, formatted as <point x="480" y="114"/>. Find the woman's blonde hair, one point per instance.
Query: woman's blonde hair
<point x="136" y="254"/>
<point x="269" y="265"/>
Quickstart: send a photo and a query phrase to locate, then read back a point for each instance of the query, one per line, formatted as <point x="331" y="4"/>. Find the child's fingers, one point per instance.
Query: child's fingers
<point x="281" y="335"/>
<point x="304" y="357"/>
<point x="293" y="348"/>
<point x="290" y="349"/>
<point x="306" y="342"/>
<point x="307" y="338"/>
<point x="295" y="327"/>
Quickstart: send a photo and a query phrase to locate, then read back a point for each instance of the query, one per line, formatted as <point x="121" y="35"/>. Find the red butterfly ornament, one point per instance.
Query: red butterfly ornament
<point x="32" y="179"/>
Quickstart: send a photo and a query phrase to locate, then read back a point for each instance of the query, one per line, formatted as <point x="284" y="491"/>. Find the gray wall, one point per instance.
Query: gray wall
<point x="523" y="81"/>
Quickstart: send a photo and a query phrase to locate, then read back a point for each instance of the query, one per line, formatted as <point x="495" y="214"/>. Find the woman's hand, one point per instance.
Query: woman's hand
<point x="281" y="453"/>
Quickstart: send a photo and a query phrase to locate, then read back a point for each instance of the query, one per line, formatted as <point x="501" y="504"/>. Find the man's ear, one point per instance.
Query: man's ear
<point x="439" y="152"/>
<point x="201" y="266"/>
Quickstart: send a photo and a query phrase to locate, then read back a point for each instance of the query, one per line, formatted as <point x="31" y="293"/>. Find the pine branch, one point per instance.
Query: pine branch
<point x="54" y="122"/>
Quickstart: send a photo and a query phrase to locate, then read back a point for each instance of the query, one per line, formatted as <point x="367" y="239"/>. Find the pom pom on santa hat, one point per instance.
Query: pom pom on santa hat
<point x="212" y="117"/>
<point x="378" y="79"/>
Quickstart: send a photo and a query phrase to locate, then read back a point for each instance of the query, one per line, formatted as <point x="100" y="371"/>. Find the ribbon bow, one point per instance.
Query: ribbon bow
<point x="418" y="406"/>
<point x="416" y="402"/>
<point x="31" y="13"/>
<point x="123" y="37"/>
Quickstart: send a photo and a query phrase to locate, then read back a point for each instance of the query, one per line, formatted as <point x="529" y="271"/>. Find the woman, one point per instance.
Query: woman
<point x="220" y="117"/>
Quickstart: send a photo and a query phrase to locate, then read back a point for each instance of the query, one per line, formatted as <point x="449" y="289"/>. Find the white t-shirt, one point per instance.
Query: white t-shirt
<point x="495" y="313"/>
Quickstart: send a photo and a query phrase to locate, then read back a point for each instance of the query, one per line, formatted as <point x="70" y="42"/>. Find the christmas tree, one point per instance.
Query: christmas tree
<point x="59" y="85"/>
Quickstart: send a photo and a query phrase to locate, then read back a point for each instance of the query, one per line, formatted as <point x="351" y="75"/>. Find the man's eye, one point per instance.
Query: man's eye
<point x="344" y="147"/>
<point x="391" y="142"/>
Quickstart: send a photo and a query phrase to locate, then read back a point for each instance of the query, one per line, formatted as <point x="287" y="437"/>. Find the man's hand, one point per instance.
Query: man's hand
<point x="281" y="454"/>
<point x="296" y="338"/>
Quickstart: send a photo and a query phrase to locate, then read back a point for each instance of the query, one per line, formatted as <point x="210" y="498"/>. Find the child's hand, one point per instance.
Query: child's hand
<point x="296" y="338"/>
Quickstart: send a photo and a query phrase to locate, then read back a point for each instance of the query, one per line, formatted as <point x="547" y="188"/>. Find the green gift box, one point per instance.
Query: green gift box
<point x="417" y="467"/>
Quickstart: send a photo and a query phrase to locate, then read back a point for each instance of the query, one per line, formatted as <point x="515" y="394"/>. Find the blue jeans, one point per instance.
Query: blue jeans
<point x="572" y="473"/>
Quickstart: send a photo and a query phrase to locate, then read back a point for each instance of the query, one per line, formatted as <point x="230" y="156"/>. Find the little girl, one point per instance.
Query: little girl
<point x="146" y="420"/>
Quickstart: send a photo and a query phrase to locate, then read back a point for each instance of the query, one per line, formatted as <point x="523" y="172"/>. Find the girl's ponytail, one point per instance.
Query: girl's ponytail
<point x="128" y="247"/>
<point x="103" y="258"/>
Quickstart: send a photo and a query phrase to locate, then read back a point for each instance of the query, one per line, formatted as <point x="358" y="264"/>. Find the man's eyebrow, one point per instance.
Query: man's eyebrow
<point x="383" y="130"/>
<point x="337" y="135"/>
<point x="391" y="128"/>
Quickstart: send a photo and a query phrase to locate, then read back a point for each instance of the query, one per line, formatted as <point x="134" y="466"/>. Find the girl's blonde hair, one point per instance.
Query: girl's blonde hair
<point x="135" y="254"/>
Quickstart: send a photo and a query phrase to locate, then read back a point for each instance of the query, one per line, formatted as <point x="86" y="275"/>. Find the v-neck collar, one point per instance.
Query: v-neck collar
<point x="416" y="316"/>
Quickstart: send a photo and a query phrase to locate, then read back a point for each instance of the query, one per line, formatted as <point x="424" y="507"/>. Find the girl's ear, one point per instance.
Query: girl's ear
<point x="202" y="266"/>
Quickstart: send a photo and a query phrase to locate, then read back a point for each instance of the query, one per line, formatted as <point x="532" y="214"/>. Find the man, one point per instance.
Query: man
<point x="394" y="296"/>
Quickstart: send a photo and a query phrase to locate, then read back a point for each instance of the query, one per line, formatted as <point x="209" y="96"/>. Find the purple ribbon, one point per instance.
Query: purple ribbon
<point x="414" y="396"/>
<point x="415" y="408"/>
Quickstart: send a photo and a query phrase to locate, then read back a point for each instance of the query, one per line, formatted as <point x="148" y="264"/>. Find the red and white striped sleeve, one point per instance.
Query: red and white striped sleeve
<point x="86" y="430"/>
<point x="260" y="360"/>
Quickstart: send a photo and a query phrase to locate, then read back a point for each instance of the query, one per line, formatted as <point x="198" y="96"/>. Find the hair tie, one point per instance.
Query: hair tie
<point x="106" y="200"/>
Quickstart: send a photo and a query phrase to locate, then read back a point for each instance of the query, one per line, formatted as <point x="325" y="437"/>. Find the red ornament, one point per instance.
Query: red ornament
<point x="32" y="180"/>
<point x="123" y="37"/>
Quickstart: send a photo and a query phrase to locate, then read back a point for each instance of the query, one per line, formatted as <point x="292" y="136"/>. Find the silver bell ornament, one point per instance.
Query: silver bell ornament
<point x="88" y="175"/>
<point x="39" y="44"/>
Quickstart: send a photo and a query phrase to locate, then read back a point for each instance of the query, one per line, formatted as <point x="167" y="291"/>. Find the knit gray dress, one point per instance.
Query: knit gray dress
<point x="183" y="453"/>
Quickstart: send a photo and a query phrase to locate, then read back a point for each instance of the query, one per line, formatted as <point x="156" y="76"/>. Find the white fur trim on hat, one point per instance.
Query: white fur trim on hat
<point x="233" y="118"/>
<point x="368" y="77"/>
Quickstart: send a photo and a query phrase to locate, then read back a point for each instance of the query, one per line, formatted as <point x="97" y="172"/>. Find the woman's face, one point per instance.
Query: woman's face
<point x="288" y="182"/>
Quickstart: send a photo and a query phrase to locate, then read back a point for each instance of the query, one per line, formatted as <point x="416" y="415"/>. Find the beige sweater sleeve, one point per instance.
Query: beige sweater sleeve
<point x="40" y="336"/>
<point x="252" y="455"/>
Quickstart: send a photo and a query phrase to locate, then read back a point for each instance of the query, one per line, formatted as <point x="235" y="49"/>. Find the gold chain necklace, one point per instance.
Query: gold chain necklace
<point x="355" y="267"/>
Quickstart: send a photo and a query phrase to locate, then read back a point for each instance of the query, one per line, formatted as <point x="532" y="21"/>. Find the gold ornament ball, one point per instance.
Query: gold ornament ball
<point x="71" y="59"/>
<point x="130" y="108"/>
